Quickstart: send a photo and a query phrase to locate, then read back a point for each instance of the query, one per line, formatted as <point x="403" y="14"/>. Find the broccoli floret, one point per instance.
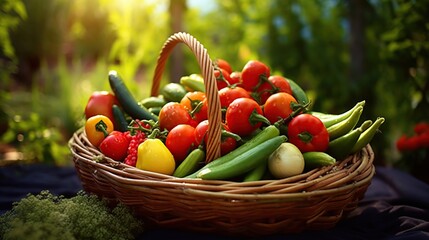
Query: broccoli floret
<point x="45" y="216"/>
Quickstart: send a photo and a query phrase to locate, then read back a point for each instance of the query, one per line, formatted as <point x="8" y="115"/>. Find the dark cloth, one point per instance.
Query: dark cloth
<point x="395" y="206"/>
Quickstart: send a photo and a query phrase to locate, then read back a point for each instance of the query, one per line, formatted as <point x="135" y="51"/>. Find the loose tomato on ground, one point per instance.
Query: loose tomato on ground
<point x="279" y="106"/>
<point x="228" y="143"/>
<point x="97" y="128"/>
<point x="100" y="103"/>
<point x="274" y="85"/>
<point x="221" y="63"/>
<point x="173" y="114"/>
<point x="181" y="141"/>
<point x="308" y="133"/>
<point x="228" y="94"/>
<point x="196" y="103"/>
<point x="243" y="116"/>
<point x="115" y="145"/>
<point x="252" y="74"/>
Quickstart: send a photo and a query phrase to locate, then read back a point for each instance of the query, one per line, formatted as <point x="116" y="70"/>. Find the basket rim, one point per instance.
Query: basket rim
<point x="199" y="187"/>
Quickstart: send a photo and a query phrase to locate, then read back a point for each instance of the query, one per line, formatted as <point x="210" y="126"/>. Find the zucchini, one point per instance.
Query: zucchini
<point x="266" y="134"/>
<point x="120" y="122"/>
<point x="151" y="102"/>
<point x="317" y="159"/>
<point x="244" y="162"/>
<point x="126" y="100"/>
<point x="191" y="163"/>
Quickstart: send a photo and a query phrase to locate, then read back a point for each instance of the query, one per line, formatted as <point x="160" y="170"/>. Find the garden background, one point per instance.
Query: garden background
<point x="55" y="53"/>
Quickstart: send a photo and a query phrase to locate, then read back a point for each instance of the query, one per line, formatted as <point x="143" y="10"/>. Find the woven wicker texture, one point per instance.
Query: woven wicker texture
<point x="317" y="199"/>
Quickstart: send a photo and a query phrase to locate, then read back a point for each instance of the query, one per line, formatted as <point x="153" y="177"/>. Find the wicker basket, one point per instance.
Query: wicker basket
<point x="313" y="200"/>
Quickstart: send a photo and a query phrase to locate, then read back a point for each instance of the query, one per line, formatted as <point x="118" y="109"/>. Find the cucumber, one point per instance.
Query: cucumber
<point x="298" y="92"/>
<point x="173" y="92"/>
<point x="120" y="122"/>
<point x="126" y="100"/>
<point x="191" y="163"/>
<point x="257" y="173"/>
<point x="152" y="102"/>
<point x="244" y="162"/>
<point x="266" y="134"/>
<point x="317" y="159"/>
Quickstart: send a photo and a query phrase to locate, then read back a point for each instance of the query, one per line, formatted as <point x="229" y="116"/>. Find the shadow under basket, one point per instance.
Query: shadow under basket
<point x="317" y="199"/>
<point x="314" y="200"/>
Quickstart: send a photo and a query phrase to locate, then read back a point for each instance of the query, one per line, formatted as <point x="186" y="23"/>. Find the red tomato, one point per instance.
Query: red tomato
<point x="236" y="77"/>
<point x="275" y="84"/>
<point x="278" y="105"/>
<point x="100" y="103"/>
<point x="252" y="73"/>
<point x="221" y="63"/>
<point x="193" y="100"/>
<point x="227" y="144"/>
<point x="173" y="114"/>
<point x="181" y="141"/>
<point x="308" y="133"/>
<point x="229" y="94"/>
<point x="240" y="116"/>
<point x="222" y="78"/>
<point x="115" y="145"/>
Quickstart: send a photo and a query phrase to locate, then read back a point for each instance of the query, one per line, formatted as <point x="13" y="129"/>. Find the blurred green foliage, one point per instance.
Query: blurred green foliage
<point x="59" y="51"/>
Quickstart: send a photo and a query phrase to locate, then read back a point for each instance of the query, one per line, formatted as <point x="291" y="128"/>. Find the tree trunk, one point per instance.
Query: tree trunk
<point x="177" y="10"/>
<point x="357" y="36"/>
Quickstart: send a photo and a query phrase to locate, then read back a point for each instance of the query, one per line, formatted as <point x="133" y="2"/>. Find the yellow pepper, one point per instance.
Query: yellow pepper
<point x="154" y="156"/>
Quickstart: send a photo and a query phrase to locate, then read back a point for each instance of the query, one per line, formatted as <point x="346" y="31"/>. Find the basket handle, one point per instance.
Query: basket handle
<point x="213" y="102"/>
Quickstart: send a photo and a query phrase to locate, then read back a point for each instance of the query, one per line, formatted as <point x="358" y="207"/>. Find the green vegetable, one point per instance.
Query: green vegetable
<point x="317" y="159"/>
<point x="45" y="216"/>
<point x="346" y="125"/>
<point x="298" y="92"/>
<point x="155" y="110"/>
<point x="266" y="134"/>
<point x="257" y="173"/>
<point x="173" y="92"/>
<point x="331" y="119"/>
<point x="120" y="123"/>
<point x="152" y="101"/>
<point x="194" y="82"/>
<point x="367" y="135"/>
<point x="126" y="99"/>
<point x="191" y="163"/>
<point x="341" y="147"/>
<point x="244" y="162"/>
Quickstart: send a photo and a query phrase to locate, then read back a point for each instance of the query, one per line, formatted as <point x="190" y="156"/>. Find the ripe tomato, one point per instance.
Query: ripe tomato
<point x="196" y="103"/>
<point x="236" y="77"/>
<point x="221" y="63"/>
<point x="222" y="78"/>
<point x="278" y="105"/>
<point x="181" y="141"/>
<point x="229" y="94"/>
<point x="243" y="116"/>
<point x="97" y="128"/>
<point x="308" y="133"/>
<point x="252" y="73"/>
<point x="227" y="144"/>
<point x="173" y="114"/>
<point x="115" y="145"/>
<point x="100" y="103"/>
<point x="275" y="84"/>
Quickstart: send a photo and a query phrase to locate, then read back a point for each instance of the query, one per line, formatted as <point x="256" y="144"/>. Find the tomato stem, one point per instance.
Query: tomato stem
<point x="255" y="118"/>
<point x="227" y="134"/>
<point x="305" y="137"/>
